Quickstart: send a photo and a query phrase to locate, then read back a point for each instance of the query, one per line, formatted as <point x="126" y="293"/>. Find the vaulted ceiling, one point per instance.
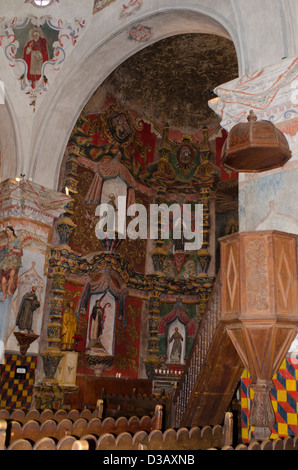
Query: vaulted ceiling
<point x="172" y="80"/>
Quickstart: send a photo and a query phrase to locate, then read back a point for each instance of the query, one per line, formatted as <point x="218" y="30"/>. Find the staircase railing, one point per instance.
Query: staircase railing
<point x="197" y="355"/>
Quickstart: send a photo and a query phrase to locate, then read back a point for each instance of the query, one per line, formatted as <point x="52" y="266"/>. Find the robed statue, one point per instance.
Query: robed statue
<point x="69" y="327"/>
<point x="29" y="304"/>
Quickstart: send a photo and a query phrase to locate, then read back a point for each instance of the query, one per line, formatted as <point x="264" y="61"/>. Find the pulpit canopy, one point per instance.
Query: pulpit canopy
<point x="255" y="146"/>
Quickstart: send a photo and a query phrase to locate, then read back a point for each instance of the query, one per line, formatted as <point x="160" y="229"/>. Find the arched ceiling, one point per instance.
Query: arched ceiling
<point x="172" y="80"/>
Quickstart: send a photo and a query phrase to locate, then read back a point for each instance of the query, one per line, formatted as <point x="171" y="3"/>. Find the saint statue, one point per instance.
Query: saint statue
<point x="177" y="346"/>
<point x="69" y="327"/>
<point x="27" y="307"/>
<point x="96" y="324"/>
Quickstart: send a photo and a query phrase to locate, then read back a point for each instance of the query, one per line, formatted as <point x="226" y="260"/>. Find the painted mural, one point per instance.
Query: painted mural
<point x="36" y="49"/>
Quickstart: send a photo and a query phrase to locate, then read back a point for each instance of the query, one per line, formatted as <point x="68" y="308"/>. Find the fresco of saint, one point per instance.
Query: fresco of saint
<point x="35" y="54"/>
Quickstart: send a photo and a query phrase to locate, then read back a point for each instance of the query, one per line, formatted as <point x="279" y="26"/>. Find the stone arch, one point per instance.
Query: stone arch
<point x="76" y="84"/>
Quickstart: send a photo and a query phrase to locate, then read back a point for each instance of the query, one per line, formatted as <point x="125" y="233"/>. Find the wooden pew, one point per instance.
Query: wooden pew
<point x="182" y="439"/>
<point x="136" y="404"/>
<point x="3" y="428"/>
<point x="41" y="416"/>
<point x="33" y="430"/>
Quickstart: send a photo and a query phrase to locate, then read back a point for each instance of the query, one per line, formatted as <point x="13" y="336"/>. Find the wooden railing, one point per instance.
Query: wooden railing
<point x="197" y="355"/>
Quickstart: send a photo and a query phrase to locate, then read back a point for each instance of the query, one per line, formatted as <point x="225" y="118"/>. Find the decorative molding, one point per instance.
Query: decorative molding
<point x="74" y="263"/>
<point x="32" y="201"/>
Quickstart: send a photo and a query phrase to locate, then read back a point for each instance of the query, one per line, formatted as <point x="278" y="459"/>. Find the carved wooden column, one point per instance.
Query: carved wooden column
<point x="260" y="308"/>
<point x="66" y="226"/>
<point x="152" y="359"/>
<point x="52" y="355"/>
<point x="203" y="254"/>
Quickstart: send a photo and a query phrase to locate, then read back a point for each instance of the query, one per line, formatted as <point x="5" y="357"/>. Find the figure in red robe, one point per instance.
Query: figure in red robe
<point x="35" y="54"/>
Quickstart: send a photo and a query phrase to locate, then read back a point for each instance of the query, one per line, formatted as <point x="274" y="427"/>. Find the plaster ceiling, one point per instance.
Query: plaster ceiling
<point x="172" y="80"/>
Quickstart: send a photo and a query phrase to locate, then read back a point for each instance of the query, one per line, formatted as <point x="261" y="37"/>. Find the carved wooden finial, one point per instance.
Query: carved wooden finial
<point x="251" y="116"/>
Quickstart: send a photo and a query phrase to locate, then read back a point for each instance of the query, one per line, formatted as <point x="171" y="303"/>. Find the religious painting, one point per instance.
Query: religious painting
<point x="36" y="48"/>
<point x="101" y="326"/>
<point x="11" y="253"/>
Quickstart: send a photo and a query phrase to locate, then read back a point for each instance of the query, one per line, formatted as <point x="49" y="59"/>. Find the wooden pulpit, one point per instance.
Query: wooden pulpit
<point x="259" y="306"/>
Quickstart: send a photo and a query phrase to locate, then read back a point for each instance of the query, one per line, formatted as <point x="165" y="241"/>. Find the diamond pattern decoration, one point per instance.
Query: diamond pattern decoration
<point x="284" y="277"/>
<point x="232" y="276"/>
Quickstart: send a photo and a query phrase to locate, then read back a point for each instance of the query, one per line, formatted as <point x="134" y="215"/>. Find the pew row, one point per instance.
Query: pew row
<point x="41" y="416"/>
<point x="48" y="436"/>
<point x="136" y="404"/>
<point x="182" y="439"/>
<point x="33" y="430"/>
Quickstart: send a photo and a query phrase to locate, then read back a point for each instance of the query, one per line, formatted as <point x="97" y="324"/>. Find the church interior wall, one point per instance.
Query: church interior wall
<point x="67" y="116"/>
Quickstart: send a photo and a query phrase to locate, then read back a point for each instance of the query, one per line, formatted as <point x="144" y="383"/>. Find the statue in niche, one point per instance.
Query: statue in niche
<point x="177" y="338"/>
<point x="27" y="307"/>
<point x="69" y="327"/>
<point x="96" y="324"/>
<point x="10" y="262"/>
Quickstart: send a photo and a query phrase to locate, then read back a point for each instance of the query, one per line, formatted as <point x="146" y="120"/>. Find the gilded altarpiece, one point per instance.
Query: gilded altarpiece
<point x="112" y="154"/>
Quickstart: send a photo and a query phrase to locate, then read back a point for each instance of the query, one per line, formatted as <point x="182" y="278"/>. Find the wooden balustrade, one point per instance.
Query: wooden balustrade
<point x="197" y="355"/>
